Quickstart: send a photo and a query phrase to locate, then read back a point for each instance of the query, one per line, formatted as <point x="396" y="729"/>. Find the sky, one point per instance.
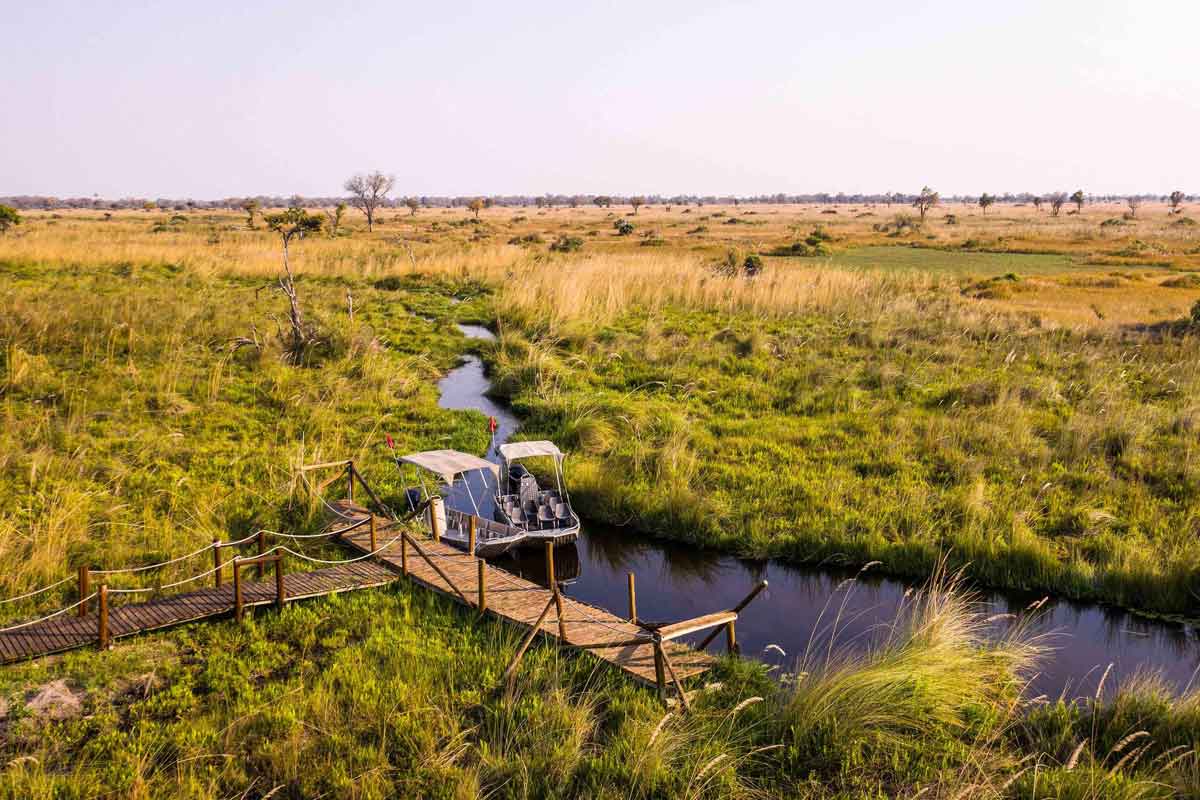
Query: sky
<point x="218" y="99"/>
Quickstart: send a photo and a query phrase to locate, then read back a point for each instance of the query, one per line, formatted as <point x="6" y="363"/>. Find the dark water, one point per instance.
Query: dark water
<point x="807" y="609"/>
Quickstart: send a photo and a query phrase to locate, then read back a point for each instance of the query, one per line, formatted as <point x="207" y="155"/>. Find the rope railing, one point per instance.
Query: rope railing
<point x="51" y="615"/>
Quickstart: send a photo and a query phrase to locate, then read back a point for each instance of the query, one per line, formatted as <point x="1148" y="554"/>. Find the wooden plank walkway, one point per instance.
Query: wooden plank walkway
<point x="69" y="631"/>
<point x="520" y="602"/>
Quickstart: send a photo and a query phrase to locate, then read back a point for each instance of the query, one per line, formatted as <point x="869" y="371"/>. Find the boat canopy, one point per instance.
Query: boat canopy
<point x="518" y="450"/>
<point x="447" y="464"/>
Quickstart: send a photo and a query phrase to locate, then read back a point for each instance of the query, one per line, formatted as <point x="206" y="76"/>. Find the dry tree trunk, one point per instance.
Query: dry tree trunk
<point x="288" y="286"/>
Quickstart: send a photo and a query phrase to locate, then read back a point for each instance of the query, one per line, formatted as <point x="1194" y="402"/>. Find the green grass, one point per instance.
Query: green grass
<point x="953" y="262"/>
<point x="1048" y="461"/>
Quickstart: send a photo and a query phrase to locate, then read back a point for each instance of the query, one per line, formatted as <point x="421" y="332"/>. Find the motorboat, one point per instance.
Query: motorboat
<point x="545" y="514"/>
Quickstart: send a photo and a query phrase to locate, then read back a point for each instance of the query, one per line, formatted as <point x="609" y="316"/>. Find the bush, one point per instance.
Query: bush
<point x="527" y="239"/>
<point x="624" y="227"/>
<point x="1184" y="222"/>
<point x="1195" y="314"/>
<point x="566" y="244"/>
<point x="752" y="265"/>
<point x="1113" y="222"/>
<point x="8" y="218"/>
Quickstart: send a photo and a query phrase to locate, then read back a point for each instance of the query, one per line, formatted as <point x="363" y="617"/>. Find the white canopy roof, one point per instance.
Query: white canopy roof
<point x="448" y="463"/>
<point x="516" y="450"/>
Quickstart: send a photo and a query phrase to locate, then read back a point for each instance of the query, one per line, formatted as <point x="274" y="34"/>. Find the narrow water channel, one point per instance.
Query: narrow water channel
<point x="805" y="608"/>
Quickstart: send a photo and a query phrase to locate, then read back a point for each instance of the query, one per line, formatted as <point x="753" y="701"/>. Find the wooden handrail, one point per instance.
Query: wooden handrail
<point x="511" y="671"/>
<point x="737" y="610"/>
<point x="325" y="465"/>
<point x="677" y="629"/>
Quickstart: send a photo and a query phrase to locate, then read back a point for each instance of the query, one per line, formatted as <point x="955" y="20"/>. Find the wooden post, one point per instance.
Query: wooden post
<point x="558" y="605"/>
<point x="216" y="548"/>
<point x="102" y="617"/>
<point x="471" y="535"/>
<point x="737" y="610"/>
<point x="632" y="600"/>
<point x="85" y="576"/>
<point x="404" y="556"/>
<point x="372" y="524"/>
<point x="482" y="565"/>
<point x="237" y="589"/>
<point x="675" y="679"/>
<point x="660" y="677"/>
<point x="262" y="550"/>
<point x="280" y="592"/>
<point x="350" y="481"/>
<point x="434" y="522"/>
<point x="731" y="638"/>
<point x="511" y="671"/>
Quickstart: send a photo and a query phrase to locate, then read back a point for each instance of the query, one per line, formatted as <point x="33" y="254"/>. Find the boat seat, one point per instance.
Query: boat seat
<point x="545" y="515"/>
<point x="562" y="512"/>
<point x="517" y="516"/>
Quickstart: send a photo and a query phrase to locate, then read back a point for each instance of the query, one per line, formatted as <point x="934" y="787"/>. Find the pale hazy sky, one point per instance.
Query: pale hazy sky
<point x="212" y="99"/>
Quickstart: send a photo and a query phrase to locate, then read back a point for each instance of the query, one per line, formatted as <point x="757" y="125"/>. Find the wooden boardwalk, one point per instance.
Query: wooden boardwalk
<point x="521" y="602"/>
<point x="68" y="632"/>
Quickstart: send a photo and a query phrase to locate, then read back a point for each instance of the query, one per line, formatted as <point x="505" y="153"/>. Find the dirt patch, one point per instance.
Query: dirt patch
<point x="55" y="701"/>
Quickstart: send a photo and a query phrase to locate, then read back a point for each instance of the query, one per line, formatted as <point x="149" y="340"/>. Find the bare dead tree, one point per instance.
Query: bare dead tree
<point x="1057" y="201"/>
<point x="289" y="224"/>
<point x="368" y="192"/>
<point x="1134" y="204"/>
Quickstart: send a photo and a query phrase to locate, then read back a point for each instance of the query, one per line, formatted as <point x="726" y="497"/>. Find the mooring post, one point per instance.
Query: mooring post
<point x="759" y="587"/>
<point x="237" y="589"/>
<point x="558" y="605"/>
<point x="731" y="638"/>
<point x="280" y="594"/>
<point x="632" y="600"/>
<point x="84" y="580"/>
<point x="471" y="535"/>
<point x="434" y="522"/>
<point x="216" y="548"/>
<point x="102" y="616"/>
<point x="482" y="565"/>
<point x="404" y="554"/>
<point x="350" y="481"/>
<point x="372" y="526"/>
<point x="262" y="551"/>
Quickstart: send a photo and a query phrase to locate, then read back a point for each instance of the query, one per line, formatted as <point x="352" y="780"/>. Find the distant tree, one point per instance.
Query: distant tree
<point x="985" y="201"/>
<point x="368" y="192"/>
<point x="926" y="200"/>
<point x="295" y="222"/>
<point x="335" y="219"/>
<point x="1037" y="202"/>
<point x="8" y="218"/>
<point x="413" y="204"/>
<point x="539" y="202"/>
<point x="475" y="206"/>
<point x="602" y="201"/>
<point x="1078" y="200"/>
<point x="251" y="208"/>
<point x="1057" y="201"/>
<point x="1175" y="200"/>
<point x="636" y="202"/>
<point x="1134" y="204"/>
<point x="573" y="201"/>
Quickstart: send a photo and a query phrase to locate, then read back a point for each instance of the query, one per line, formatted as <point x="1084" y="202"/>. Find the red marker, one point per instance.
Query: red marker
<point x="391" y="444"/>
<point x="492" y="425"/>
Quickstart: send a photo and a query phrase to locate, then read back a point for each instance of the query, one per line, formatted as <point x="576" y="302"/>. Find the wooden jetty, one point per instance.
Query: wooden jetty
<point x="385" y="551"/>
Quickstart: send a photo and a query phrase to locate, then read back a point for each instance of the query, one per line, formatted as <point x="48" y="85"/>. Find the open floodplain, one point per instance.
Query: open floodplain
<point x="993" y="403"/>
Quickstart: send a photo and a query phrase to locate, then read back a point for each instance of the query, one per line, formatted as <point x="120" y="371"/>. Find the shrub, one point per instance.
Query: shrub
<point x="698" y="229"/>
<point x="753" y="264"/>
<point x="624" y="227"/>
<point x="1194" y="317"/>
<point x="527" y="239"/>
<point x="951" y="219"/>
<point x="1113" y="222"/>
<point x="1184" y="222"/>
<point x="8" y="218"/>
<point x="566" y="244"/>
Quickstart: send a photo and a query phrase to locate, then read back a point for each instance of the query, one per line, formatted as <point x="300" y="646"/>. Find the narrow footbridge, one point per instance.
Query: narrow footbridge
<point x="381" y="549"/>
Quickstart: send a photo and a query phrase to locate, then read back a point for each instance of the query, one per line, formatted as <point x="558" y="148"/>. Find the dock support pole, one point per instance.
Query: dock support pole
<point x="373" y="548"/>
<point x="216" y="548"/>
<point x="102" y="616"/>
<point x="731" y="639"/>
<point x="85" y="576"/>
<point x="558" y="605"/>
<point x="350" y="481"/>
<point x="280" y="592"/>
<point x="262" y="550"/>
<point x="471" y="536"/>
<point x="660" y="678"/>
<point x="237" y="589"/>
<point x="404" y="556"/>
<point x="666" y="660"/>
<point x="632" y="600"/>
<point x="482" y="565"/>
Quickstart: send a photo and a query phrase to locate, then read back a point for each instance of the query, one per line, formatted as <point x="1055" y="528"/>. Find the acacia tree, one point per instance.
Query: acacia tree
<point x="369" y="192"/>
<point x="295" y="222"/>
<point x="475" y="206"/>
<point x="602" y="201"/>
<point x="413" y="204"/>
<point x="1175" y="200"/>
<point x="1057" y="201"/>
<point x="335" y="219"/>
<point x="985" y="201"/>
<point x="1078" y="200"/>
<point x="251" y="208"/>
<point x="636" y="202"/>
<point x="8" y="218"/>
<point x="1037" y="203"/>
<point x="1134" y="204"/>
<point x="926" y="200"/>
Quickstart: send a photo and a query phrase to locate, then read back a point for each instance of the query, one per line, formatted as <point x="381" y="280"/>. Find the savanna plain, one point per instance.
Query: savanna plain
<point x="1005" y="399"/>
